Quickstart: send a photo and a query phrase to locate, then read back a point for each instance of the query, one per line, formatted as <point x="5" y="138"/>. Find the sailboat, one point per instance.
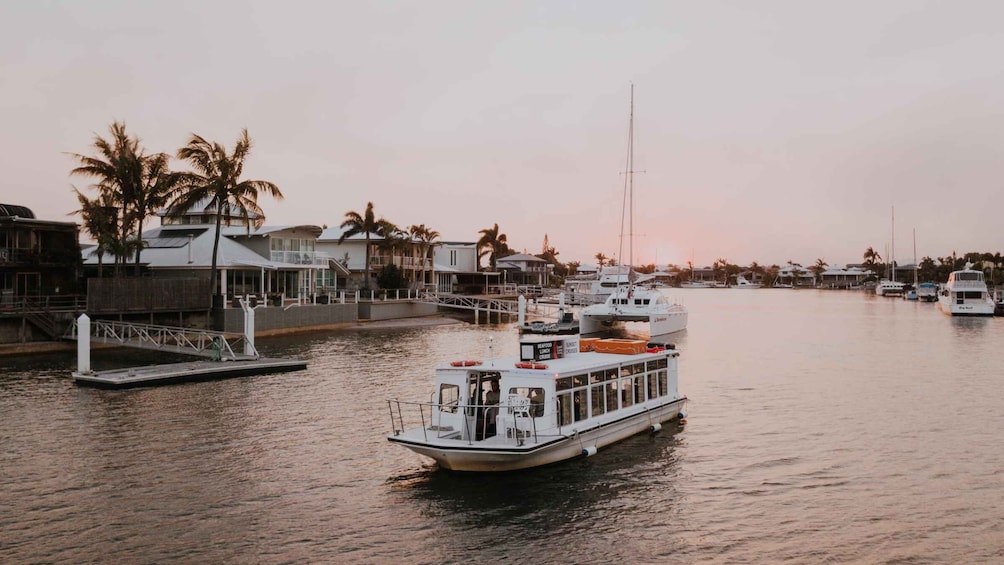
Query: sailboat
<point x="886" y="287"/>
<point x="631" y="302"/>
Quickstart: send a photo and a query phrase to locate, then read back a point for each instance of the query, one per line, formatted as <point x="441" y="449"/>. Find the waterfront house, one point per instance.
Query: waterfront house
<point x="39" y="273"/>
<point x="37" y="257"/>
<point x="795" y="275"/>
<point x="277" y="263"/>
<point x="527" y="272"/>
<point x="409" y="255"/>
<point x="455" y="266"/>
<point x="844" y="277"/>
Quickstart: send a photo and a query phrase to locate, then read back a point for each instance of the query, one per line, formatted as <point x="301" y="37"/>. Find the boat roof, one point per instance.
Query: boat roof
<point x="574" y="364"/>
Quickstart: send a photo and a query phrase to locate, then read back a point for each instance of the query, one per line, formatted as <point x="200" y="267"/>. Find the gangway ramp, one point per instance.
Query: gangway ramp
<point x="215" y="345"/>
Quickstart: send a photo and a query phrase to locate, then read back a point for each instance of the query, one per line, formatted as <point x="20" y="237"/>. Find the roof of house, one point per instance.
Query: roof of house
<point x="169" y="248"/>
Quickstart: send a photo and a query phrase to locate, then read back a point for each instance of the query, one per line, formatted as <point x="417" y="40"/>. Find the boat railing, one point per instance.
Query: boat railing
<point x="514" y="418"/>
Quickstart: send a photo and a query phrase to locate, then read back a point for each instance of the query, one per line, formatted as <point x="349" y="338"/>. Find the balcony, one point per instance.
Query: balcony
<point x="300" y="257"/>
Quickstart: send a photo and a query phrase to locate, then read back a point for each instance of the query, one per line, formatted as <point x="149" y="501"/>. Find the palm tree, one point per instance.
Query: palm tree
<point x="601" y="259"/>
<point x="493" y="244"/>
<point x="158" y="185"/>
<point x="216" y="183"/>
<point x="118" y="169"/>
<point x="100" y="220"/>
<point x="818" y="269"/>
<point x="365" y="223"/>
<point x="425" y="237"/>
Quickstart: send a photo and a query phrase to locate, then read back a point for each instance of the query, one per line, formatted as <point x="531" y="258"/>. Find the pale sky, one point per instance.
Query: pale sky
<point x="768" y="130"/>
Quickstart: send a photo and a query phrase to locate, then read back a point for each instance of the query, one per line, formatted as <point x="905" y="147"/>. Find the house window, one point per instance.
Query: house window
<point x="453" y="257"/>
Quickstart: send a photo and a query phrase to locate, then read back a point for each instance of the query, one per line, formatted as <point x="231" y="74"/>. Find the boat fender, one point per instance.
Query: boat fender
<point x="468" y="363"/>
<point x="682" y="417"/>
<point x="589" y="451"/>
<point x="655" y="427"/>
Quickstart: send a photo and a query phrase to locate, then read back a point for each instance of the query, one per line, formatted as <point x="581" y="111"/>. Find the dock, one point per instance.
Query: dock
<point x="185" y="372"/>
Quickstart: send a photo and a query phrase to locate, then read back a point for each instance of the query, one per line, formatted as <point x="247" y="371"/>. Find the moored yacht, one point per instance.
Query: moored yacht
<point x="562" y="397"/>
<point x="966" y="294"/>
<point x="927" y="292"/>
<point x="889" y="288"/>
<point x="635" y="304"/>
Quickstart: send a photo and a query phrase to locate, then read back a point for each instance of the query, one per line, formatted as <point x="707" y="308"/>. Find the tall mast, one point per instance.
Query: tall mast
<point x="631" y="189"/>
<point x="892" y="255"/>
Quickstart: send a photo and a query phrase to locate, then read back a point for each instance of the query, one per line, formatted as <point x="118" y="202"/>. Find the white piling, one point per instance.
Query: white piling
<point x="521" y="317"/>
<point x="83" y="344"/>
<point x="248" y="328"/>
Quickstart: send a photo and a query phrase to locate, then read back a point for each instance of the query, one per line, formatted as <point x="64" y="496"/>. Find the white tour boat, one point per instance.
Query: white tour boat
<point x="966" y="294"/>
<point x="562" y="397"/>
<point x="629" y="301"/>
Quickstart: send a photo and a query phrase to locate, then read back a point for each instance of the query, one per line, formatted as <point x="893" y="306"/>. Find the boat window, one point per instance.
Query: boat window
<point x="612" y="374"/>
<point x="663" y="383"/>
<point x="564" y="383"/>
<point x="627" y="370"/>
<point x="579" y="380"/>
<point x="653" y="385"/>
<point x="639" y="388"/>
<point x="637" y="368"/>
<point x="611" y="395"/>
<point x="536" y="396"/>
<point x="564" y="409"/>
<point x="580" y="405"/>
<point x="659" y="363"/>
<point x="596" y="377"/>
<point x="627" y="396"/>
<point x="597" y="399"/>
<point x="449" y="398"/>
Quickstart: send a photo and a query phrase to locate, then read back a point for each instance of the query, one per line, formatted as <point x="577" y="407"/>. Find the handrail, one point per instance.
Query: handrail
<point x="191" y="341"/>
<point x="398" y="425"/>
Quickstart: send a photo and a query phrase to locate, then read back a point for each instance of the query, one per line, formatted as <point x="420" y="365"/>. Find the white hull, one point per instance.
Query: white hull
<point x="889" y="288"/>
<point x="661" y="322"/>
<point x="506" y="454"/>
<point x="966" y="294"/>
<point x="968" y="308"/>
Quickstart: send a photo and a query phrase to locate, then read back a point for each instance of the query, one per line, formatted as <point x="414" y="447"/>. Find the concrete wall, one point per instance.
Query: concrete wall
<point x="393" y="310"/>
<point x="274" y="319"/>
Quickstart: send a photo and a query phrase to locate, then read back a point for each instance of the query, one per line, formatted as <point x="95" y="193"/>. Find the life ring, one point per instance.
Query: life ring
<point x="468" y="363"/>
<point x="530" y="365"/>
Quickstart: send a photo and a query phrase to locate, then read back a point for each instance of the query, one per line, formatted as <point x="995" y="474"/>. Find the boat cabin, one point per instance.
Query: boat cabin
<point x="551" y="387"/>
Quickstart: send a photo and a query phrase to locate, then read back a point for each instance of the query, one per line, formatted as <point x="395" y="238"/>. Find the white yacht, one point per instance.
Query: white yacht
<point x="633" y="303"/>
<point x="966" y="294"/>
<point x="889" y="288"/>
<point x="743" y="282"/>
<point x="593" y="289"/>
<point x="562" y="397"/>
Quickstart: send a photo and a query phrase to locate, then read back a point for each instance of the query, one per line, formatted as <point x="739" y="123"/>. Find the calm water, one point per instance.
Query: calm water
<point x="824" y="427"/>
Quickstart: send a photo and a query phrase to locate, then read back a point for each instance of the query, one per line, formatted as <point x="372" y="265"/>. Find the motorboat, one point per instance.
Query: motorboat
<point x="889" y="288"/>
<point x="695" y="284"/>
<point x="927" y="292"/>
<point x="966" y="294"/>
<point x="743" y="282"/>
<point x="562" y="397"/>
